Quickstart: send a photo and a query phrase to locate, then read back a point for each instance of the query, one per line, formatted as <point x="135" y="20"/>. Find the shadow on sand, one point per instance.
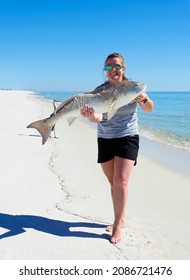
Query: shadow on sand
<point x="17" y="224"/>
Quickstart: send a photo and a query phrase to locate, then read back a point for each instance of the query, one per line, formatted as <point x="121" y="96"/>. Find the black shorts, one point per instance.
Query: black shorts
<point x="125" y="147"/>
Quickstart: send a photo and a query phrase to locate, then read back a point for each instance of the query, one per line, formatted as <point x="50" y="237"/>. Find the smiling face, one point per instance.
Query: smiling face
<point x="115" y="75"/>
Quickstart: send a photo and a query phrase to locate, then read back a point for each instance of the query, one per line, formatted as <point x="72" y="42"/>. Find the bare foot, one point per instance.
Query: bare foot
<point x="110" y="227"/>
<point x="116" y="235"/>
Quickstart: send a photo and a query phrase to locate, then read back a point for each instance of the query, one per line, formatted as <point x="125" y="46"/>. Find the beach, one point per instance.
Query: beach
<point x="55" y="201"/>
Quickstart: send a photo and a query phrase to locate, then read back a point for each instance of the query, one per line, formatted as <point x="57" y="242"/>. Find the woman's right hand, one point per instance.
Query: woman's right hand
<point x="88" y="112"/>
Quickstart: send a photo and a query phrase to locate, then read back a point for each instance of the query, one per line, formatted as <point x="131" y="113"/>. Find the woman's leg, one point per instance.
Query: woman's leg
<point x="118" y="171"/>
<point x="108" y="169"/>
<point x="122" y="171"/>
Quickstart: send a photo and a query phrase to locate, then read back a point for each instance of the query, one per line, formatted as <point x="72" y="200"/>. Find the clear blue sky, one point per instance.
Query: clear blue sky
<point x="62" y="44"/>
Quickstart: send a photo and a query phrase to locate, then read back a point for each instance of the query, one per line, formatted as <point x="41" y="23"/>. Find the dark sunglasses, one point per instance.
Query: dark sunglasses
<point x="109" y="67"/>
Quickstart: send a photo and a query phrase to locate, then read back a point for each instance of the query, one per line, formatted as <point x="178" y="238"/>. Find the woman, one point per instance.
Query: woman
<point x="118" y="143"/>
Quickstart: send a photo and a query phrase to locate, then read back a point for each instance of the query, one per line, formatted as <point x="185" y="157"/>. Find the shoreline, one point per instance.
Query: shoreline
<point x="157" y="152"/>
<point x="57" y="202"/>
<point x="150" y="147"/>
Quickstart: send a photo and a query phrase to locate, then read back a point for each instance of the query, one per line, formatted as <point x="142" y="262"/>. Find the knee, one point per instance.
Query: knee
<point x="120" y="181"/>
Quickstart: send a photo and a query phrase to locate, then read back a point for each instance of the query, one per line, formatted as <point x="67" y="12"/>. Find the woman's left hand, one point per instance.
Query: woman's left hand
<point x="141" y="97"/>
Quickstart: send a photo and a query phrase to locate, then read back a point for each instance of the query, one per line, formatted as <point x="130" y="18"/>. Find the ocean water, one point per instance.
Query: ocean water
<point x="169" y="123"/>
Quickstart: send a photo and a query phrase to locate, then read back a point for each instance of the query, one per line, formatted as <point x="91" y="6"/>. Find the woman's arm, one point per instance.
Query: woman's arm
<point x="145" y="102"/>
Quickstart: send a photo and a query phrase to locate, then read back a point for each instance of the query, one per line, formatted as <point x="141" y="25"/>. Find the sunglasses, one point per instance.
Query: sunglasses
<point x="109" y="67"/>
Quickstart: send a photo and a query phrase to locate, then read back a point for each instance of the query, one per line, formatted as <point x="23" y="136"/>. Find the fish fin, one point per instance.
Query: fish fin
<point x="112" y="111"/>
<point x="71" y="120"/>
<point x="54" y="107"/>
<point x="111" y="114"/>
<point x="43" y="128"/>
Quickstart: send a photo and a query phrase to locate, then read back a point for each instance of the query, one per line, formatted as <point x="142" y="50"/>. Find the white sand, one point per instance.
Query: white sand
<point x="54" y="198"/>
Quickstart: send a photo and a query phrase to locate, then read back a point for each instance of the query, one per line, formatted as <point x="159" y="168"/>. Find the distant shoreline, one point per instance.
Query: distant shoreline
<point x="171" y="157"/>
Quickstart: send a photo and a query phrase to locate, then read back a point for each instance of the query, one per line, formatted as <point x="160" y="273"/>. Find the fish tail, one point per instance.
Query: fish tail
<point x="43" y="128"/>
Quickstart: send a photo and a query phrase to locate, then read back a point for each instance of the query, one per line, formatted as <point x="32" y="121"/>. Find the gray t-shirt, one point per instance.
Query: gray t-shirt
<point x="123" y="123"/>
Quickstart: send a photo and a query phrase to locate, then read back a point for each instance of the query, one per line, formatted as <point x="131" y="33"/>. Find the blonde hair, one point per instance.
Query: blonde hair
<point x="112" y="55"/>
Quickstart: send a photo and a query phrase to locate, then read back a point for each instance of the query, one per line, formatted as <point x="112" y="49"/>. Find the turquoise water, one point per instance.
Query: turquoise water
<point x="169" y="123"/>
